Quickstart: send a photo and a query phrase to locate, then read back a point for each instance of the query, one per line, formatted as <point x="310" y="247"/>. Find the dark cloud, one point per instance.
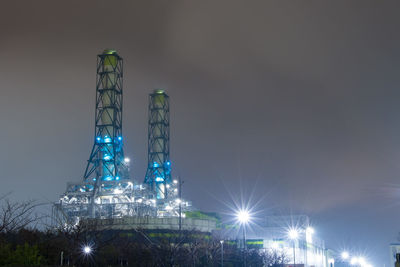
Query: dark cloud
<point x="298" y="96"/>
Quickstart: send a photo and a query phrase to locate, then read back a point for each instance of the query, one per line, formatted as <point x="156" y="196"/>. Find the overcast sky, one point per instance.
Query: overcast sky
<point x="298" y="101"/>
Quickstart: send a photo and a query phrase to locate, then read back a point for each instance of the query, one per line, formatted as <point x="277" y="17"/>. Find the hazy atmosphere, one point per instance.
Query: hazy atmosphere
<point x="292" y="104"/>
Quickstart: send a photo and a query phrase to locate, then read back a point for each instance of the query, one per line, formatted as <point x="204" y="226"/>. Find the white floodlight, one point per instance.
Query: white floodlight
<point x="127" y="160"/>
<point x="345" y="255"/>
<point x="87" y="250"/>
<point x="243" y="216"/>
<point x="362" y="261"/>
<point x="117" y="191"/>
<point x="310" y="230"/>
<point x="293" y="233"/>
<point x="309" y="234"/>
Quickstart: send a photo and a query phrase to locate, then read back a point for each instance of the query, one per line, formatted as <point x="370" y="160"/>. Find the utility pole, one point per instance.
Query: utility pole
<point x="222" y="253"/>
<point x="180" y="203"/>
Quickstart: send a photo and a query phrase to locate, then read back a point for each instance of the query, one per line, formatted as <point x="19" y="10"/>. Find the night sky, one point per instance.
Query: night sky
<point x="294" y="102"/>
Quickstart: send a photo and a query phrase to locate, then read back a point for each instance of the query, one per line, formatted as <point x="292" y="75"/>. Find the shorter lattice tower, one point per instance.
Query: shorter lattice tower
<point x="158" y="175"/>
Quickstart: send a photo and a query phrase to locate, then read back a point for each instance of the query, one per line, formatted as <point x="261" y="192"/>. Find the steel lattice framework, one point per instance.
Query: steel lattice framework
<point x="158" y="175"/>
<point x="106" y="190"/>
<point x="106" y="161"/>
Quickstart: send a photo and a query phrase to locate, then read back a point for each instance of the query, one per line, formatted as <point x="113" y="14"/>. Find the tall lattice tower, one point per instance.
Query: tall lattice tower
<point x="106" y="162"/>
<point x="158" y="175"/>
<point x="106" y="191"/>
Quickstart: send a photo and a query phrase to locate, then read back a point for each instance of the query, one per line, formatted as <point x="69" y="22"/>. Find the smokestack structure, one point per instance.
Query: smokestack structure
<point x="158" y="175"/>
<point x="106" y="161"/>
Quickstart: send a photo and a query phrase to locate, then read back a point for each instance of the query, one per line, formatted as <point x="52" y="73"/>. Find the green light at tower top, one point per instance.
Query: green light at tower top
<point x="110" y="52"/>
<point x="159" y="91"/>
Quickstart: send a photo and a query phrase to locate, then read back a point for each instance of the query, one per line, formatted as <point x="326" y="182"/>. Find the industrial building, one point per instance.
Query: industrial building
<point x="106" y="193"/>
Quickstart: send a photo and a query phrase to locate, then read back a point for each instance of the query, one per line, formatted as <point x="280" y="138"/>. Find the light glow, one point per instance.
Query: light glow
<point x="243" y="216"/>
<point x="293" y="234"/>
<point x="117" y="191"/>
<point x="354" y="261"/>
<point x="345" y="255"/>
<point x="87" y="250"/>
<point x="362" y="261"/>
<point x="309" y="233"/>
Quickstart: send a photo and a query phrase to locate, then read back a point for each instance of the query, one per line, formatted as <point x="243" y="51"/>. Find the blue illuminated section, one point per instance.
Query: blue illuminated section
<point x="155" y="164"/>
<point x="108" y="178"/>
<point x="159" y="179"/>
<point x="107" y="139"/>
<point x="119" y="138"/>
<point x="117" y="178"/>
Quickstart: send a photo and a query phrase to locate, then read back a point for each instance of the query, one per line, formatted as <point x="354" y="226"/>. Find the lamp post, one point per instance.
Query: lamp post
<point x="222" y="253"/>
<point x="293" y="234"/>
<point x="243" y="217"/>
<point x="87" y="250"/>
<point x="345" y="256"/>
<point x="331" y="262"/>
<point x="309" y="240"/>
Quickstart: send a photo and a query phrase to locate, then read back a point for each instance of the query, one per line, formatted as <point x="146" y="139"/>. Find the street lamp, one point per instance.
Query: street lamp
<point x="293" y="234"/>
<point x="354" y="261"/>
<point x="222" y="252"/>
<point x="87" y="250"/>
<point x="362" y="261"/>
<point x="309" y="233"/>
<point x="309" y="240"/>
<point x="243" y="216"/>
<point x="345" y="255"/>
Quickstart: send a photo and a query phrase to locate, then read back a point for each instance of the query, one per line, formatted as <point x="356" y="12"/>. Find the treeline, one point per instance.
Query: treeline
<point x="120" y="248"/>
<point x="22" y="244"/>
